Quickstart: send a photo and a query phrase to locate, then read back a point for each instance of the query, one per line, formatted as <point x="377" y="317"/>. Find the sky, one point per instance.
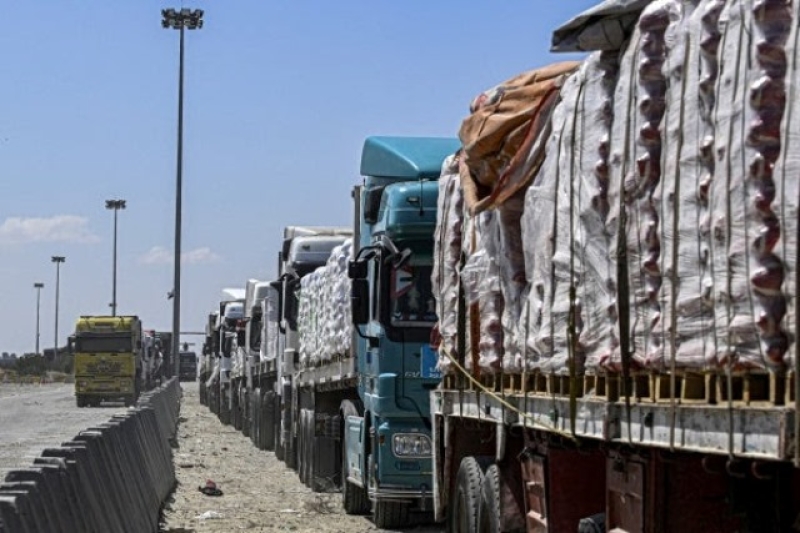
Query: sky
<point x="279" y="97"/>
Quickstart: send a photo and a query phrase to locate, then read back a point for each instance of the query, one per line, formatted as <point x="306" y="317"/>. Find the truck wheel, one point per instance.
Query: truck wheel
<point x="390" y="515"/>
<point x="236" y="412"/>
<point x="279" y="455"/>
<point x="247" y="412"/>
<point x="255" y="416"/>
<point x="311" y="452"/>
<point x="130" y="400"/>
<point x="267" y="438"/>
<point x="224" y="407"/>
<point x="489" y="511"/>
<point x="354" y="498"/>
<point x="80" y="400"/>
<point x="462" y="514"/>
<point x="302" y="444"/>
<point x="290" y="449"/>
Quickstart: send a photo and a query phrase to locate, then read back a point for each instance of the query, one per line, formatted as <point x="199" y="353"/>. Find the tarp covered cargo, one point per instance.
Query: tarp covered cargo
<point x="498" y="156"/>
<point x="662" y="218"/>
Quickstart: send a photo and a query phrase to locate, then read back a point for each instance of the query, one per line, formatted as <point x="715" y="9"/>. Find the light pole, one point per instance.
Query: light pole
<point x="179" y="20"/>
<point x="57" y="259"/>
<point x="116" y="205"/>
<point x="38" y="286"/>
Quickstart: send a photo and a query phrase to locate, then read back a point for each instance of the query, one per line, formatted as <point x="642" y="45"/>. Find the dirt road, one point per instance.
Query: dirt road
<point x="259" y="492"/>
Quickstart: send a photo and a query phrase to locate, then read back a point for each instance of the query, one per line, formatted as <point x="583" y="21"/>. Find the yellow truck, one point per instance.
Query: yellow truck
<point x="108" y="359"/>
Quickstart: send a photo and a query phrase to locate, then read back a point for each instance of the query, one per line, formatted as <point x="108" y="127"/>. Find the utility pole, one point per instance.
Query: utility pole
<point x="57" y="259"/>
<point x="179" y="20"/>
<point x="38" y="286"/>
<point x="116" y="205"/>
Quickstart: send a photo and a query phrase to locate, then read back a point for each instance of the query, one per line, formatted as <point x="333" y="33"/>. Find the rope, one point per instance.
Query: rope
<point x="507" y="405"/>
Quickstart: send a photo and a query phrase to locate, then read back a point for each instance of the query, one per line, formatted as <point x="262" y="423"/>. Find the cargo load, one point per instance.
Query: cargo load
<point x="660" y="217"/>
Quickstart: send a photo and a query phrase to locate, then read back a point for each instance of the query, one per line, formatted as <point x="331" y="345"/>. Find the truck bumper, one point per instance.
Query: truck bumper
<point x="423" y="499"/>
<point x="104" y="387"/>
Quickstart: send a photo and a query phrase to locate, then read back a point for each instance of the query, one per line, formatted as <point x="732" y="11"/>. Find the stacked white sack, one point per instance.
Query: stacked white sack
<point x="304" y="334"/>
<point x="566" y="242"/>
<point x="335" y="303"/>
<point x="787" y="167"/>
<point x="324" y="314"/>
<point x="308" y="318"/>
<point x="481" y="279"/>
<point x="513" y="285"/>
<point x="760" y="224"/>
<point x="686" y="328"/>
<point x="446" y="260"/>
<point x="326" y="320"/>
<point x="711" y="225"/>
<point x="343" y="332"/>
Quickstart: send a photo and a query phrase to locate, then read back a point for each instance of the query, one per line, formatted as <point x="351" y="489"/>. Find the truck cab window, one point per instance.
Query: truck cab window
<point x="411" y="296"/>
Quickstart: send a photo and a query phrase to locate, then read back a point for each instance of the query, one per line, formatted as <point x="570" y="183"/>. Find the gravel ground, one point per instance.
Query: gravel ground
<point x="260" y="493"/>
<point x="35" y="417"/>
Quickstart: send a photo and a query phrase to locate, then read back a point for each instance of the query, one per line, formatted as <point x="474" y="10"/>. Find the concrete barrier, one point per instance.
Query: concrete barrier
<point x="112" y="477"/>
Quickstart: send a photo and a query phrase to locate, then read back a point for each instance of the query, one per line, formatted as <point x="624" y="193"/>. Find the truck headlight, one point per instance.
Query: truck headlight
<point x="411" y="445"/>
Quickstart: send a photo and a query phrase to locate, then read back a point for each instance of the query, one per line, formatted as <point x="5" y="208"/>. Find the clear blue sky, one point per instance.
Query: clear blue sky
<point x="279" y="98"/>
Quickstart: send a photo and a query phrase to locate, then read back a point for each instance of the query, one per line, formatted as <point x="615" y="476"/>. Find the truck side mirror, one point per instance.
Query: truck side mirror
<point x="278" y="286"/>
<point x="290" y="303"/>
<point x="372" y="204"/>
<point x="357" y="269"/>
<point x="71" y="345"/>
<point x="359" y="300"/>
<point x="255" y="328"/>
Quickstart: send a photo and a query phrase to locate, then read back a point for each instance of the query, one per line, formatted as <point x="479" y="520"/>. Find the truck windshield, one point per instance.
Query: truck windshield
<point x="412" y="303"/>
<point x="104" y="344"/>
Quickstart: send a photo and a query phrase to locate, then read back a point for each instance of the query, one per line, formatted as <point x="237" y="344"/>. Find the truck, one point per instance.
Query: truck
<point x="222" y="339"/>
<point x="273" y="398"/>
<point x="245" y="353"/>
<point x="187" y="364"/>
<point x="616" y="278"/>
<point x="347" y="405"/>
<point x="107" y="353"/>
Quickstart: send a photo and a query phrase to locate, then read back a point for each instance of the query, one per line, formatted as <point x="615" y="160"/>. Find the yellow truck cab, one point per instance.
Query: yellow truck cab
<point x="108" y="359"/>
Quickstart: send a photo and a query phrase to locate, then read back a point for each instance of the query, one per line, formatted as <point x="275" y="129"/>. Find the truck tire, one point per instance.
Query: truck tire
<point x="354" y="498"/>
<point x="247" y="412"/>
<point x="224" y="407"/>
<point x="236" y="412"/>
<point x="390" y="515"/>
<point x="290" y="448"/>
<point x="302" y="453"/>
<point x="276" y="429"/>
<point x="489" y="512"/>
<point x="311" y="452"/>
<point x="267" y="438"/>
<point x="462" y="516"/>
<point x="80" y="400"/>
<point x="255" y="416"/>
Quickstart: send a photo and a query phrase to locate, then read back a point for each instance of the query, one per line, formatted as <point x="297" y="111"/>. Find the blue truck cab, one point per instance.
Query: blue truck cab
<point x="388" y="443"/>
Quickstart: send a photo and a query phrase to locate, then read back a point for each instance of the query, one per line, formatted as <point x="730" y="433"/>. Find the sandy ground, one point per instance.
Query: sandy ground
<point x="260" y="493"/>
